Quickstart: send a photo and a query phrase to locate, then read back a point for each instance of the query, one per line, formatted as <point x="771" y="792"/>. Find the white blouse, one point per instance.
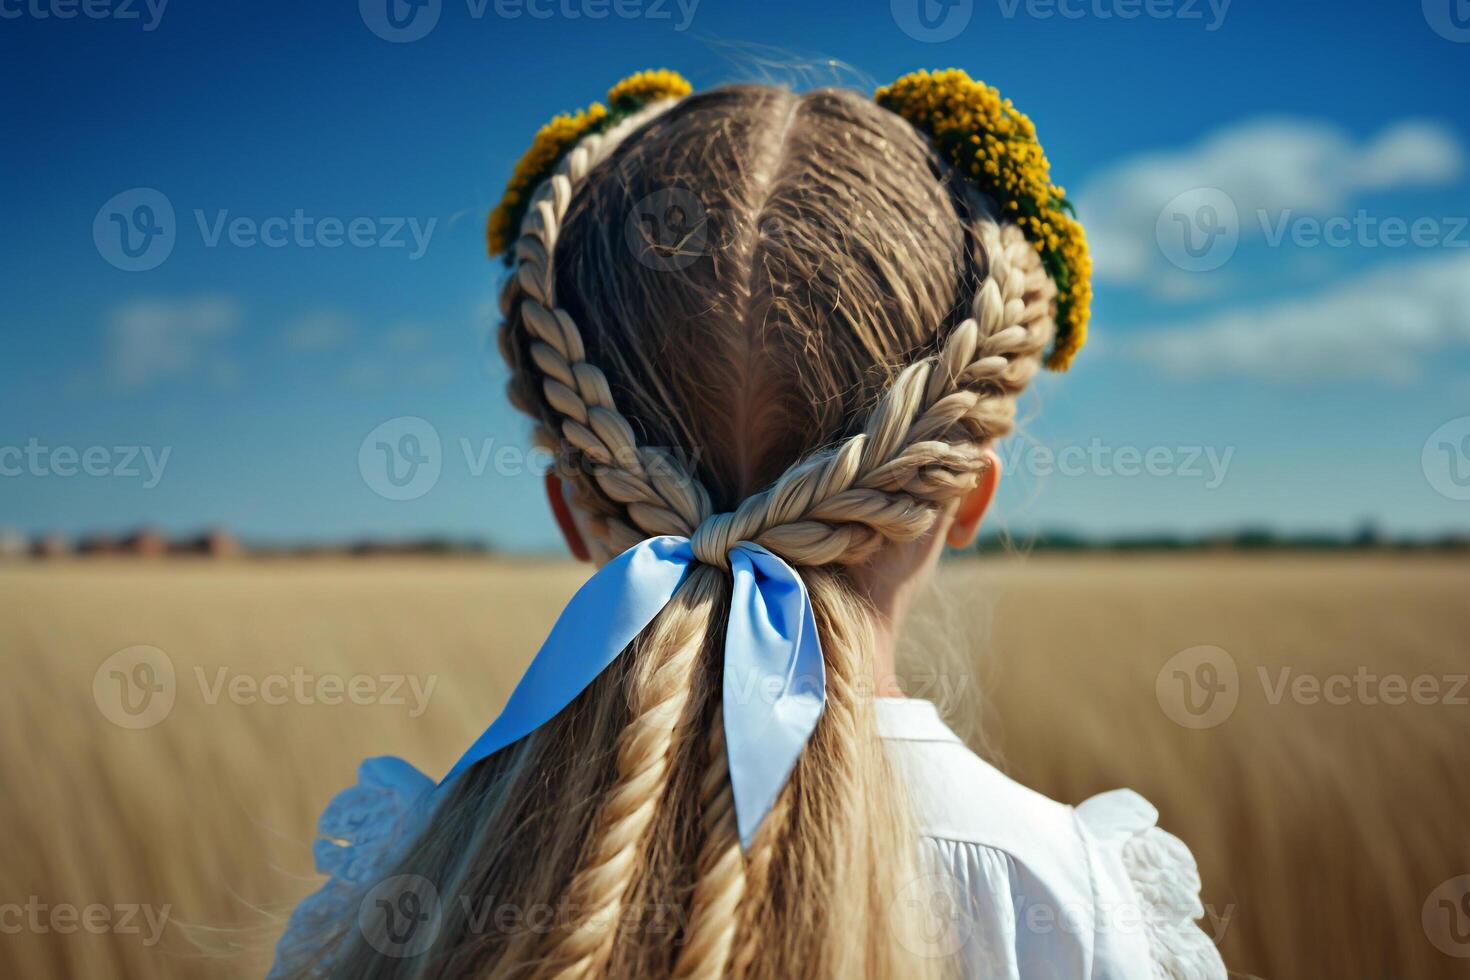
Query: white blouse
<point x="1019" y="887"/>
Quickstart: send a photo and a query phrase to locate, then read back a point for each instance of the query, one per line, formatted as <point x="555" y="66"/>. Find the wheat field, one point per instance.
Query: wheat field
<point x="1330" y="828"/>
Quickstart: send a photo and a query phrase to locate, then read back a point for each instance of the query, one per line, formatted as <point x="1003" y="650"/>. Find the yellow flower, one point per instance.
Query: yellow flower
<point x="557" y="137"/>
<point x="649" y="86"/>
<point x="551" y="143"/>
<point x="986" y="137"/>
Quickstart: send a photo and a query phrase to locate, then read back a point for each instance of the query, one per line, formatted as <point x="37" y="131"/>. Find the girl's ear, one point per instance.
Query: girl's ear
<point x="562" y="511"/>
<point x="973" y="505"/>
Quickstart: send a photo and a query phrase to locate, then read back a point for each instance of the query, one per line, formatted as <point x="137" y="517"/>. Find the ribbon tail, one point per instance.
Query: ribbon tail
<point x="775" y="683"/>
<point x="606" y="614"/>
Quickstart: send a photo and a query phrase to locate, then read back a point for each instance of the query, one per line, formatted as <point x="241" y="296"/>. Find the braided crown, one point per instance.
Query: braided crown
<point x="921" y="446"/>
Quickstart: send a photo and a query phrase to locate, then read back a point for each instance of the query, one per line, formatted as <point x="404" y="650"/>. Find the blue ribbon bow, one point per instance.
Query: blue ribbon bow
<point x="774" y="682"/>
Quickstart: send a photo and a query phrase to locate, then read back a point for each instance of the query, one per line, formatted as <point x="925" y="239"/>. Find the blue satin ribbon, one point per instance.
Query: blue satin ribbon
<point x="774" y="682"/>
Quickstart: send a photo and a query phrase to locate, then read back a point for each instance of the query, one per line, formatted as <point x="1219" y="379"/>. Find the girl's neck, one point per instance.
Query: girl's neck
<point x="890" y="584"/>
<point x="885" y="669"/>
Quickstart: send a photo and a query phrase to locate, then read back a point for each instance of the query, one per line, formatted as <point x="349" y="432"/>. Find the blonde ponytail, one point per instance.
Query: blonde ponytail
<point x="659" y="689"/>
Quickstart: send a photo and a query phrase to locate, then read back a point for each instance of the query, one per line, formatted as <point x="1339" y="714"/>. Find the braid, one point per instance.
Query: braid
<point x="923" y="442"/>
<point x="759" y="861"/>
<point x="658" y="496"/>
<point x="659" y="692"/>
<point x="721" y="884"/>
<point x="831" y="795"/>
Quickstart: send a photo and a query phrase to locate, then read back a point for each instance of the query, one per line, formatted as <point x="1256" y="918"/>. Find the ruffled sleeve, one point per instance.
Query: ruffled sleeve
<point x="1147" y="886"/>
<point x="359" y="836"/>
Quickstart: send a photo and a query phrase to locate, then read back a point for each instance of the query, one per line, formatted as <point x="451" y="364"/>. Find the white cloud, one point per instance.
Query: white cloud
<point x="366" y="374"/>
<point x="323" y="330"/>
<point x="1269" y="165"/>
<point x="408" y="337"/>
<point x="402" y="355"/>
<point x="1416" y="151"/>
<point x="1383" y="325"/>
<point x="150" y="340"/>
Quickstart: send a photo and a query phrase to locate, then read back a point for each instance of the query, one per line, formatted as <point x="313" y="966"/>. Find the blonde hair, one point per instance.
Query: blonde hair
<point x="820" y="376"/>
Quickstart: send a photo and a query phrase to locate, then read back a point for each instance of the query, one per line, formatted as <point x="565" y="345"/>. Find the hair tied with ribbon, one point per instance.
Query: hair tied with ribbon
<point x="774" y="686"/>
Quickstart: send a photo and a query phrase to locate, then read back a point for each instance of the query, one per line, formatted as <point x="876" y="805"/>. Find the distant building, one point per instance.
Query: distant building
<point x="145" y="543"/>
<point x="13" y="544"/>
<point x="53" y="546"/>
<point x="220" y="543"/>
<point x="98" y="545"/>
<point x="217" y="542"/>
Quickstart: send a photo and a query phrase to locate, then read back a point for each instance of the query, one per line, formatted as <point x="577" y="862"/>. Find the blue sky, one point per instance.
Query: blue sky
<point x="1302" y="361"/>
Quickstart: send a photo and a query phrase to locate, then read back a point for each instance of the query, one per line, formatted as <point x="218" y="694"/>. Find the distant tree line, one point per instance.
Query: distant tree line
<point x="221" y="543"/>
<point x="1365" y="538"/>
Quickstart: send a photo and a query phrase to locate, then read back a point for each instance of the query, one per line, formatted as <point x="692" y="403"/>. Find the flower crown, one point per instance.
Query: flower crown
<point x="984" y="137"/>
<point x="561" y="134"/>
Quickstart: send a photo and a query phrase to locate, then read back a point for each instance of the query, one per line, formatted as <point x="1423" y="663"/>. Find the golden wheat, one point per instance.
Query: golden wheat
<point x="1321" y="829"/>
